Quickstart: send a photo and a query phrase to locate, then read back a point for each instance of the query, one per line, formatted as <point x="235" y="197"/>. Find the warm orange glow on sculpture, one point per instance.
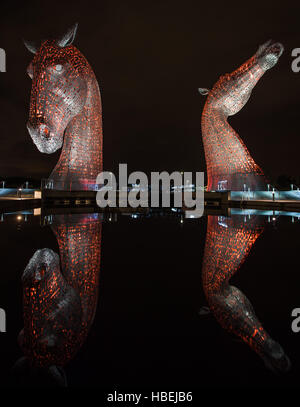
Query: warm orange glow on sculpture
<point x="229" y="163"/>
<point x="65" y="111"/>
<point x="61" y="292"/>
<point x="228" y="243"/>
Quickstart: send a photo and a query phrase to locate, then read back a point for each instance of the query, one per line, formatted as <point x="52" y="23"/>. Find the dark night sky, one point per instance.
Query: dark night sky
<point x="150" y="58"/>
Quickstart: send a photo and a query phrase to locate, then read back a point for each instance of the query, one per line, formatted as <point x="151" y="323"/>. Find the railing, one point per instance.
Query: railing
<point x="78" y="185"/>
<point x="16" y="193"/>
<point x="272" y="195"/>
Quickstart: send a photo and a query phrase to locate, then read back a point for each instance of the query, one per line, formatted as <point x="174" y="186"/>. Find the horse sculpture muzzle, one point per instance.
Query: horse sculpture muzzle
<point x="44" y="138"/>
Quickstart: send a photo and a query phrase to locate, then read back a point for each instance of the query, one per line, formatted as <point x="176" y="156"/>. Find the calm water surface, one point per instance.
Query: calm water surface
<point x="149" y="302"/>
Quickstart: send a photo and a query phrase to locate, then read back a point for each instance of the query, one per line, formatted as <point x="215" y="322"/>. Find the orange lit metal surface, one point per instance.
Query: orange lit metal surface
<point x="228" y="243"/>
<point x="229" y="163"/>
<point x="65" y="111"/>
<point x="60" y="294"/>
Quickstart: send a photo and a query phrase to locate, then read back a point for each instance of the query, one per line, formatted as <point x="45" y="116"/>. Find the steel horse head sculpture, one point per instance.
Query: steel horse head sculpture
<point x="65" y="111"/>
<point x="229" y="163"/>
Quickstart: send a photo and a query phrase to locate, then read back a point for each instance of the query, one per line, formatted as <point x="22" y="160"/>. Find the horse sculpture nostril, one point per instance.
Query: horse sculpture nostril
<point x="40" y="130"/>
<point x="44" y="130"/>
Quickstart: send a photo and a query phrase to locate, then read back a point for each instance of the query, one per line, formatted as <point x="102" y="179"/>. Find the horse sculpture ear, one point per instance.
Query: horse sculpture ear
<point x="203" y="91"/>
<point x="68" y="38"/>
<point x="30" y="46"/>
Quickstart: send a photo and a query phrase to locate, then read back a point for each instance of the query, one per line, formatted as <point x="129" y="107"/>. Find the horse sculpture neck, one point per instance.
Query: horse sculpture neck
<point x="81" y="158"/>
<point x="227" y="158"/>
<point x="79" y="241"/>
<point x="229" y="163"/>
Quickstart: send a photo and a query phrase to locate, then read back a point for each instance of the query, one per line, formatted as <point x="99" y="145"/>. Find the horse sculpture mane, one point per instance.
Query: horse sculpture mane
<point x="229" y="163"/>
<point x="65" y="111"/>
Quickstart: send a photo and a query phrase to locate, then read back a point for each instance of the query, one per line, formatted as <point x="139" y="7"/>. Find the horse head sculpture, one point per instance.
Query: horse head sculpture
<point x="227" y="158"/>
<point x="65" y="111"/>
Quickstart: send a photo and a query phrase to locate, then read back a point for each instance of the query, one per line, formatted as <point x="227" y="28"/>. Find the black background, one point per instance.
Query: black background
<point x="149" y="59"/>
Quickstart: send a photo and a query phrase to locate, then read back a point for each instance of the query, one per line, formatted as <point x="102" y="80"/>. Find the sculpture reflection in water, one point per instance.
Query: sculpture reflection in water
<point x="228" y="243"/>
<point x="60" y="295"/>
